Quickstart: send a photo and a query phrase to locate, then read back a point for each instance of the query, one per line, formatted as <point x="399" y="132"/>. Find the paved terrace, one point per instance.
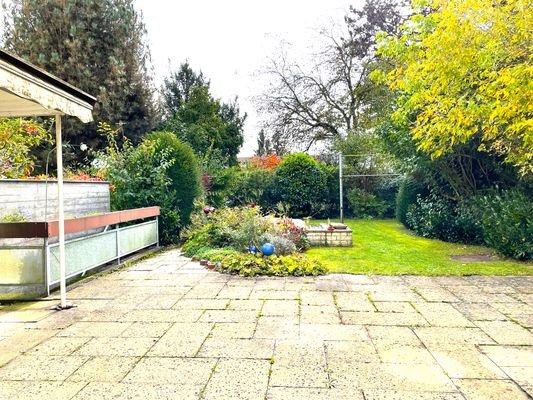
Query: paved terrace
<point x="168" y="329"/>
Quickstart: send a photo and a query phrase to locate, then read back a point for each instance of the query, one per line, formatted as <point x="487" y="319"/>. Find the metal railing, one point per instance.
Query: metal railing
<point x="112" y="245"/>
<point x="29" y="252"/>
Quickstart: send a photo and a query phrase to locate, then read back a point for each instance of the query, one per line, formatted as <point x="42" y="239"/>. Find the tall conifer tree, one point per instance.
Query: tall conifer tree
<point x="96" y="45"/>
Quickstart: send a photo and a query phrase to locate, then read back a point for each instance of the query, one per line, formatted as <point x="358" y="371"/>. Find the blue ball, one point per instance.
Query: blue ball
<point x="253" y="249"/>
<point x="267" y="249"/>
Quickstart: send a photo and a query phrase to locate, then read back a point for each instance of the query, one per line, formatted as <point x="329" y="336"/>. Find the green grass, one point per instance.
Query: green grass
<point x="385" y="247"/>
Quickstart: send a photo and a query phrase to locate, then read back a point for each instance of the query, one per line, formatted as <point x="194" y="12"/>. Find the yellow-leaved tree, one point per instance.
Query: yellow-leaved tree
<point x="463" y="69"/>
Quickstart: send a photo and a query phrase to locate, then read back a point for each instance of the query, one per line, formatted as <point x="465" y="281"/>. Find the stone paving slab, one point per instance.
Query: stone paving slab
<point x="291" y="393"/>
<point x="300" y="364"/>
<point x="403" y="395"/>
<point x="477" y="389"/>
<point x="507" y="332"/>
<point x="59" y="346"/>
<point x="166" y="328"/>
<point x="137" y="391"/>
<point x="38" y="390"/>
<point x="238" y="379"/>
<point x="237" y="348"/>
<point x="404" y="377"/>
<point x="466" y="362"/>
<point x="116" y="346"/>
<point x="277" y="328"/>
<point x="41" y="368"/>
<point x="234" y="330"/>
<point x="340" y="352"/>
<point x="509" y="356"/>
<point x="104" y="369"/>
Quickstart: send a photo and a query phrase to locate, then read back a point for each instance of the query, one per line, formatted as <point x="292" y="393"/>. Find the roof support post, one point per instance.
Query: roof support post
<point x="61" y="215"/>
<point x="341" y="195"/>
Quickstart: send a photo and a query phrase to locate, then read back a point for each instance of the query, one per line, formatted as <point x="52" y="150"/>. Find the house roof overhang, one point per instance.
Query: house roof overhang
<point x="26" y="90"/>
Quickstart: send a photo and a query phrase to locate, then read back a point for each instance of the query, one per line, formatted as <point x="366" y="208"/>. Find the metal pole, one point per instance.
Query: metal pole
<point x="341" y="202"/>
<point x="61" y="216"/>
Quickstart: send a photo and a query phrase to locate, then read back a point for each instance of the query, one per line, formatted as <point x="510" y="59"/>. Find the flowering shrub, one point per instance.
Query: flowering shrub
<point x="17" y="138"/>
<point x="239" y="228"/>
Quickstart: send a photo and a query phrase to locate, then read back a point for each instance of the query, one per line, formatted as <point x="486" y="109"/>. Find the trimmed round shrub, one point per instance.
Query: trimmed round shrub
<point x="183" y="173"/>
<point x="302" y="185"/>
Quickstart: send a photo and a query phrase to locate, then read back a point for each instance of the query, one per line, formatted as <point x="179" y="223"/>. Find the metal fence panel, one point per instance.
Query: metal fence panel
<point x="83" y="254"/>
<point x="136" y="237"/>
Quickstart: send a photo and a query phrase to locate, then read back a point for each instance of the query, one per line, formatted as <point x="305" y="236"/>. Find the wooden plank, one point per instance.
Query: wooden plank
<point x="11" y="230"/>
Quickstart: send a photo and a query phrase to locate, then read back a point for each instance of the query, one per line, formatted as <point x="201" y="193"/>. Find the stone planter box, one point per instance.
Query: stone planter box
<point x="321" y="236"/>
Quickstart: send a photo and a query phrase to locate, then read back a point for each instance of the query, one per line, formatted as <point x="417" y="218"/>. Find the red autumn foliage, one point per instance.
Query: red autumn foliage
<point x="70" y="176"/>
<point x="269" y="162"/>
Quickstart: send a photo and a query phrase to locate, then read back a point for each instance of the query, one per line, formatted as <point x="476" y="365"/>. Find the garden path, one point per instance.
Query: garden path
<point x="165" y="328"/>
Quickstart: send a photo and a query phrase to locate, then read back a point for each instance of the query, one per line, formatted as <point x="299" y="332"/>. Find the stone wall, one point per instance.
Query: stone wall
<point x="322" y="237"/>
<point x="30" y="197"/>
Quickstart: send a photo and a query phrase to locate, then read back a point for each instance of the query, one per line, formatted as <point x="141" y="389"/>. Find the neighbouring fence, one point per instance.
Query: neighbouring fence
<point x="29" y="251"/>
<point x="36" y="200"/>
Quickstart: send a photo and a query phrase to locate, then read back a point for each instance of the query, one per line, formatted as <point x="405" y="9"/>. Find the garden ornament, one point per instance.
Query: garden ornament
<point x="267" y="249"/>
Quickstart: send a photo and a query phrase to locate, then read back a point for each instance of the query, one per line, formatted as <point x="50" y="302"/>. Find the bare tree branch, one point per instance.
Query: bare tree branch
<point x="331" y="96"/>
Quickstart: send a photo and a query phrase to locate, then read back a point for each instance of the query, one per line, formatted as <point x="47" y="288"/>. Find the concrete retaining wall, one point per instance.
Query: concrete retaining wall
<point x="30" y="197"/>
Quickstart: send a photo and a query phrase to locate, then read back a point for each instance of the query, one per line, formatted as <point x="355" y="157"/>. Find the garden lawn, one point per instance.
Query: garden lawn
<point x="385" y="247"/>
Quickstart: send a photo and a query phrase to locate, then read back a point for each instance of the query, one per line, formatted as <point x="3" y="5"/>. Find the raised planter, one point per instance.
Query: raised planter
<point x="324" y="235"/>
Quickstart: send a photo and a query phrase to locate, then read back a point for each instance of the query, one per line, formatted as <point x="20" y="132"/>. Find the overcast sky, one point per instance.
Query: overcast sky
<point x="229" y="40"/>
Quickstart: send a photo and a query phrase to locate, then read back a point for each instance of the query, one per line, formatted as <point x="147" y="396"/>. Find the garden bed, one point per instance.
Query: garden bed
<point x="242" y="241"/>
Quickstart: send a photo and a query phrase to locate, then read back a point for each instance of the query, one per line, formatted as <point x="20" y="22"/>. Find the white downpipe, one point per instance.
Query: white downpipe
<point x="61" y="216"/>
